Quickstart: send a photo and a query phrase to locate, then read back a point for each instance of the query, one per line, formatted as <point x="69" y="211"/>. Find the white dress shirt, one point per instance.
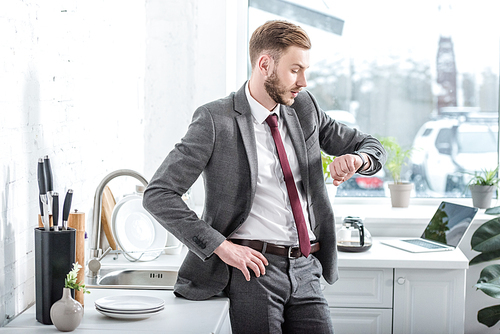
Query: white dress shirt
<point x="271" y="218"/>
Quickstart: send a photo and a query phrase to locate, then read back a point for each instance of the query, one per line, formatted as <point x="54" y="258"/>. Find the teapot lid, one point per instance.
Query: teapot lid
<point x="352" y="219"/>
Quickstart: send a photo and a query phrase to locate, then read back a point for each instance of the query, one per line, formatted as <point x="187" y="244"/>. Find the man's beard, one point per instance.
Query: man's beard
<point x="275" y="90"/>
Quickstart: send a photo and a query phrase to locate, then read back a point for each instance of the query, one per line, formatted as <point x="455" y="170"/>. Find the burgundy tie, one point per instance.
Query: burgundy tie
<point x="298" y="215"/>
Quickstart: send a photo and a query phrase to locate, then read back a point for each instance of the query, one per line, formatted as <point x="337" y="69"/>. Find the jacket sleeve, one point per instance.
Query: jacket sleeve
<point x="180" y="169"/>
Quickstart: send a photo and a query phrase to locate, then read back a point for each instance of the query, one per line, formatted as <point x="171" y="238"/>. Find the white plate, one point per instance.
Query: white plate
<point x="136" y="231"/>
<point x="128" y="315"/>
<point x="129" y="303"/>
<point x="149" y="310"/>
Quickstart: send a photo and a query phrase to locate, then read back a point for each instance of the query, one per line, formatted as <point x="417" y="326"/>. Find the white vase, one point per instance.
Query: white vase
<point x="66" y="314"/>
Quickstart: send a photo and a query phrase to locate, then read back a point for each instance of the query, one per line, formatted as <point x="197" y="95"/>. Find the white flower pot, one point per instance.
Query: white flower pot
<point x="482" y="195"/>
<point x="400" y="194"/>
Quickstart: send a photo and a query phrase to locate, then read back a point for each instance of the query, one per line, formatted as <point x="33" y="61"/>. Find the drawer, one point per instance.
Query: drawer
<point x="361" y="288"/>
<point x="366" y="321"/>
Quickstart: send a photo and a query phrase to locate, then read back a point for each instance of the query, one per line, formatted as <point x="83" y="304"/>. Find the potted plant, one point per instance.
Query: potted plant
<point x="482" y="186"/>
<point x="396" y="159"/>
<point x="486" y="240"/>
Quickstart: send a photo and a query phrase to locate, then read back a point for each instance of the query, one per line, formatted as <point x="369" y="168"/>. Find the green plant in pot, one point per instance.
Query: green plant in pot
<point x="396" y="158"/>
<point x="486" y="240"/>
<point x="482" y="187"/>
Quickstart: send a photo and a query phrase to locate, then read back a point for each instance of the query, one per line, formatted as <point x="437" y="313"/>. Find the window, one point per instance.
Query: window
<point x="425" y="72"/>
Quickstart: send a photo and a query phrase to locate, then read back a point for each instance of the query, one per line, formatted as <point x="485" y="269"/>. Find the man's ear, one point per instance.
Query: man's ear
<point x="264" y="64"/>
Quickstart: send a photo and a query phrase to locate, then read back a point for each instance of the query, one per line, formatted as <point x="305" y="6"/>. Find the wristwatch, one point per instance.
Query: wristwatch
<point x="362" y="159"/>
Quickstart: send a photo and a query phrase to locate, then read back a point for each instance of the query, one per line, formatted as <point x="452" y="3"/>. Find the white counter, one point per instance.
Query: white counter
<point x="382" y="256"/>
<point x="179" y="316"/>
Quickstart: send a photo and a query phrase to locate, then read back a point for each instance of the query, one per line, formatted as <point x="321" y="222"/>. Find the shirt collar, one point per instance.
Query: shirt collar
<point x="259" y="112"/>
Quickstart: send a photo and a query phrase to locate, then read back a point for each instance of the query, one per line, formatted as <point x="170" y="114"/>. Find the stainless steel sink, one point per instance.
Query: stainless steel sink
<point x="133" y="279"/>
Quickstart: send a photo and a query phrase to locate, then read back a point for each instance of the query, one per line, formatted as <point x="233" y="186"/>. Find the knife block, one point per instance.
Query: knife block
<point x="54" y="258"/>
<point x="76" y="220"/>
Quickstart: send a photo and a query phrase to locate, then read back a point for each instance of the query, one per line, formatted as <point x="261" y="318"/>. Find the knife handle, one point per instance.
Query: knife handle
<point x="67" y="205"/>
<point x="49" y="181"/>
<point x="55" y="211"/>
<point x="41" y="178"/>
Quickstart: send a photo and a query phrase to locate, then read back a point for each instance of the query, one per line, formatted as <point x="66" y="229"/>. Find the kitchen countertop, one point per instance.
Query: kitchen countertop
<point x="179" y="316"/>
<point x="383" y="256"/>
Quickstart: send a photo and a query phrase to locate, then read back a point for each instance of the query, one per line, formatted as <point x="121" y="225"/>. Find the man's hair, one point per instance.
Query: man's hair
<point x="274" y="37"/>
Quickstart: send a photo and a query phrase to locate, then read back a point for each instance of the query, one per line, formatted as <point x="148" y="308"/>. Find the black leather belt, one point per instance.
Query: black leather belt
<point x="265" y="247"/>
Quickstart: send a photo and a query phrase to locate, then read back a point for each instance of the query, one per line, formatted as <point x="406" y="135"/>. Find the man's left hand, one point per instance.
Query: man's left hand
<point x="344" y="167"/>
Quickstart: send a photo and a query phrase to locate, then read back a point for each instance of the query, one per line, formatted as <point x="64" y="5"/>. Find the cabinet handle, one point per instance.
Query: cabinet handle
<point x="401" y="280"/>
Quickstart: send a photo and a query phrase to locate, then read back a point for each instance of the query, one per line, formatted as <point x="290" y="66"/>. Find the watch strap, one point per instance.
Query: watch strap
<point x="362" y="159"/>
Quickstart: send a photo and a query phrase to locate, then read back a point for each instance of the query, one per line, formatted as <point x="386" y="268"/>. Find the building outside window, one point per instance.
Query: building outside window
<point x="426" y="73"/>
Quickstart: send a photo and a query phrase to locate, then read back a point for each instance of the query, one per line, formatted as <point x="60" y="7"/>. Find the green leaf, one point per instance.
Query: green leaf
<point x="489" y="316"/>
<point x="396" y="157"/>
<point x="485" y="257"/>
<point x="70" y="280"/>
<point x="489" y="281"/>
<point x="491" y="289"/>
<point x="487" y="237"/>
<point x="485" y="177"/>
<point x="490" y="274"/>
<point x="326" y="160"/>
<point x="493" y="211"/>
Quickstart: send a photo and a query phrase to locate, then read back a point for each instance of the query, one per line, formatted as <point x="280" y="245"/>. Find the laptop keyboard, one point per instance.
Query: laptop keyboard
<point x="424" y="244"/>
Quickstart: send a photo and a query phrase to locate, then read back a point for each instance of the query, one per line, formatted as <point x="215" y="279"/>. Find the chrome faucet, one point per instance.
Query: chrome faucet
<point x="95" y="251"/>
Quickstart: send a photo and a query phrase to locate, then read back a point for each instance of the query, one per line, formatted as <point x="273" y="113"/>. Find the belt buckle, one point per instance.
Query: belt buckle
<point x="290" y="249"/>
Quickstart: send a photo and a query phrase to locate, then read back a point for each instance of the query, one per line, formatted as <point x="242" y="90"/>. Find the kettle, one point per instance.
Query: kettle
<point x="353" y="236"/>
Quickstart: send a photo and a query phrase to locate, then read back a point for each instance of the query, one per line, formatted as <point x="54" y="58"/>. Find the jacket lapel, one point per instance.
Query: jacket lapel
<point x="294" y="129"/>
<point x="245" y="124"/>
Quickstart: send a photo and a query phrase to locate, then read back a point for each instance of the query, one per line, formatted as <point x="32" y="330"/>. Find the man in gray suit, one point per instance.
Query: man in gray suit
<point x="267" y="232"/>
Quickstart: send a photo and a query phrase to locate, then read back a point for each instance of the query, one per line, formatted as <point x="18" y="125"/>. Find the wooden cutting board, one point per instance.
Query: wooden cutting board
<point x="76" y="220"/>
<point x="108" y="204"/>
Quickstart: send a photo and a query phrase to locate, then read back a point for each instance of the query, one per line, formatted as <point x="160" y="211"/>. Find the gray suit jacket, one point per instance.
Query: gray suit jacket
<point x="220" y="145"/>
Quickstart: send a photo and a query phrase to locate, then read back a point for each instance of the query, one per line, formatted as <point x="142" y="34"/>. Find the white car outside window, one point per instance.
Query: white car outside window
<point x="449" y="150"/>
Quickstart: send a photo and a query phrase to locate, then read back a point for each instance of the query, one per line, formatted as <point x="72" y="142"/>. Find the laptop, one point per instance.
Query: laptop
<point x="443" y="233"/>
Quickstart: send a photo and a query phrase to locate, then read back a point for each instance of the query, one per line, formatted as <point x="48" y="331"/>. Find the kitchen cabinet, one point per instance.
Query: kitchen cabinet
<point x="429" y="301"/>
<point x="386" y="290"/>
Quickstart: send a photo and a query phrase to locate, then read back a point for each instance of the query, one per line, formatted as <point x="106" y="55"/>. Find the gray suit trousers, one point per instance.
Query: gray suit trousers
<point x="287" y="299"/>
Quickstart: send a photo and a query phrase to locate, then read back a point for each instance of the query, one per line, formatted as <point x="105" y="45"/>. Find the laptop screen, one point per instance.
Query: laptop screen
<point x="449" y="223"/>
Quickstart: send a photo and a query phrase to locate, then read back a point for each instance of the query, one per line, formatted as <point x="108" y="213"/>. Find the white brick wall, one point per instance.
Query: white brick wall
<point x="71" y="87"/>
<point x="98" y="85"/>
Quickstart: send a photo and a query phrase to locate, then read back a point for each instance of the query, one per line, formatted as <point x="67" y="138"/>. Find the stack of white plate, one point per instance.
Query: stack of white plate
<point x="129" y="307"/>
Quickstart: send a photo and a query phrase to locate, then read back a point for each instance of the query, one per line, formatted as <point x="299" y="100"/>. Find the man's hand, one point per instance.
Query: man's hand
<point x="242" y="258"/>
<point x="343" y="168"/>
